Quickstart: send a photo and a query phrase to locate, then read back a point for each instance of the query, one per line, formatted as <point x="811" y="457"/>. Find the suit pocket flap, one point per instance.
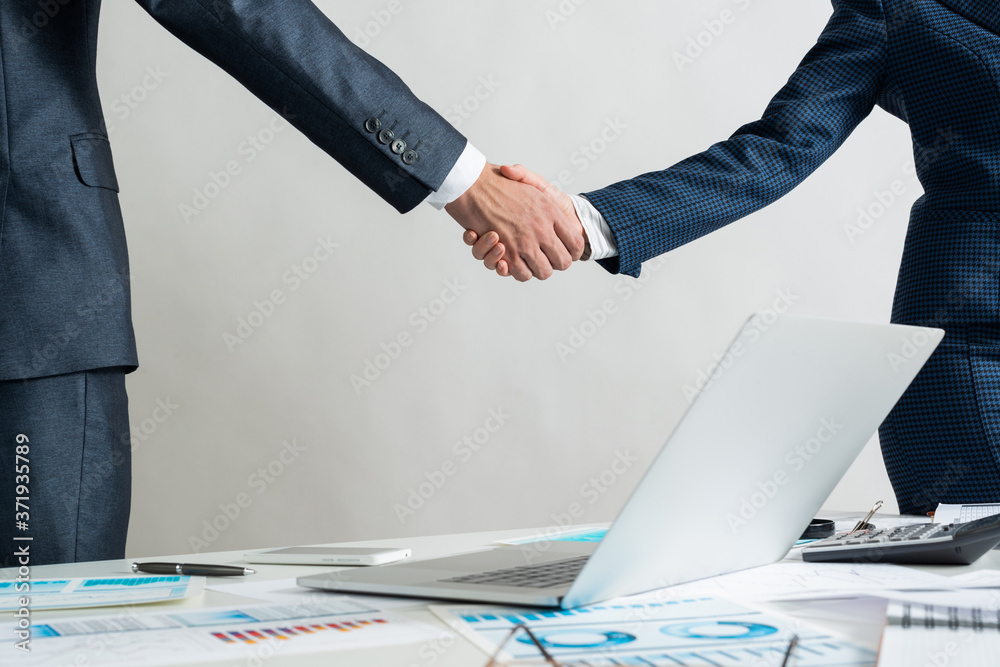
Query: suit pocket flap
<point x="92" y="160"/>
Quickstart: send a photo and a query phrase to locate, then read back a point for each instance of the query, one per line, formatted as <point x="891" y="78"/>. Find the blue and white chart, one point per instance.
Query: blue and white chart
<point x="246" y="635"/>
<point x="97" y="591"/>
<point x="704" y="631"/>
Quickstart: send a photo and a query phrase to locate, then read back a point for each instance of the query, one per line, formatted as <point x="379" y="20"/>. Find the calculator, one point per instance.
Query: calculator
<point x="925" y="543"/>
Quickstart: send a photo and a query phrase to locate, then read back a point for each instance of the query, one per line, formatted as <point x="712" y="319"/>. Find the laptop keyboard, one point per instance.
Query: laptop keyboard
<point x="556" y="573"/>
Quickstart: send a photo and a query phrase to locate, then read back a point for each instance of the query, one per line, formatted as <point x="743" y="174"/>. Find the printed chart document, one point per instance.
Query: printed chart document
<point x="571" y="535"/>
<point x="924" y="634"/>
<point x="706" y="631"/>
<point x="813" y="581"/>
<point x="249" y="634"/>
<point x="97" y="591"/>
<point x="964" y="513"/>
<point x="286" y="591"/>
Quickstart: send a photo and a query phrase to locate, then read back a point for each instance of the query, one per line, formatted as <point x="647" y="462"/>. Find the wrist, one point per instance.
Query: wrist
<point x="463" y="177"/>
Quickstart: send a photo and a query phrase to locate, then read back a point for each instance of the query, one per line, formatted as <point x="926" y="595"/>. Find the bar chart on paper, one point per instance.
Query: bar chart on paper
<point x="290" y="632"/>
<point x="250" y="634"/>
<point x="705" y="631"/>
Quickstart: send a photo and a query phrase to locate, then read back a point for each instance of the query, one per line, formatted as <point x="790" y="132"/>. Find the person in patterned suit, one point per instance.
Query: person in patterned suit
<point x="934" y="64"/>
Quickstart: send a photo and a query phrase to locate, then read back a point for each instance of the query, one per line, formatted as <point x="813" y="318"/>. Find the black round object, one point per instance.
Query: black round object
<point x="818" y="529"/>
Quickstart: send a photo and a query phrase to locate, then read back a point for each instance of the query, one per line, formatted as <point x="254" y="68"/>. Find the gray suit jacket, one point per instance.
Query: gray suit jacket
<point x="64" y="281"/>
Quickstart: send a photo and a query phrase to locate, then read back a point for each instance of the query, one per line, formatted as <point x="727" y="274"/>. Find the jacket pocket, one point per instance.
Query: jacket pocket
<point x="92" y="160"/>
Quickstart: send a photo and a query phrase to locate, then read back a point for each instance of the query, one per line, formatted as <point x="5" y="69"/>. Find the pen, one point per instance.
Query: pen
<point x="791" y="648"/>
<point x="192" y="569"/>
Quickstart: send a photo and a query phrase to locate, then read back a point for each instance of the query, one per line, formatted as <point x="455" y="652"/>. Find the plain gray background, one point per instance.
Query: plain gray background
<point x="482" y="419"/>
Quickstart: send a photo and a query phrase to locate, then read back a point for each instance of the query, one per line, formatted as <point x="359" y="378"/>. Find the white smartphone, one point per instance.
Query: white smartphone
<point x="328" y="556"/>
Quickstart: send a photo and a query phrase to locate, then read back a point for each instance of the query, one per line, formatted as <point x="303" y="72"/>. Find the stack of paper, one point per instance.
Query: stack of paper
<point x="943" y="635"/>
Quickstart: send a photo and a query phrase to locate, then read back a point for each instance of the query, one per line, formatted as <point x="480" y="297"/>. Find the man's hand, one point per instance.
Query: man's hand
<point x="489" y="248"/>
<point x="538" y="235"/>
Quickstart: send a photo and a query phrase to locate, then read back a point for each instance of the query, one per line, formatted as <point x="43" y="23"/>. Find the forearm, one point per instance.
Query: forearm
<point x="287" y="53"/>
<point x="831" y="91"/>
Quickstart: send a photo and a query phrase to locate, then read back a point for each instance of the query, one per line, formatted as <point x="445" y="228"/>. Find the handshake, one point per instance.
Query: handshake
<point x="519" y="224"/>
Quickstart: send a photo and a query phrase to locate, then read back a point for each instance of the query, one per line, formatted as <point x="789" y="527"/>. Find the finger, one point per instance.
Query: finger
<point x="514" y="172"/>
<point x="569" y="229"/>
<point x="520" y="173"/>
<point x="558" y="256"/>
<point x="485" y="245"/>
<point x="470" y="237"/>
<point x="538" y="262"/>
<point x="519" y="269"/>
<point x="494" y="256"/>
<point x="502" y="269"/>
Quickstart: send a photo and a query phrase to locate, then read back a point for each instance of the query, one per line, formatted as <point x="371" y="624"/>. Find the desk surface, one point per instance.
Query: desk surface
<point x="441" y="653"/>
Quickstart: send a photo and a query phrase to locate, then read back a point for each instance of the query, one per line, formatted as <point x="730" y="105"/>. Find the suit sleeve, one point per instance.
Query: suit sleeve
<point x="833" y="89"/>
<point x="287" y="53"/>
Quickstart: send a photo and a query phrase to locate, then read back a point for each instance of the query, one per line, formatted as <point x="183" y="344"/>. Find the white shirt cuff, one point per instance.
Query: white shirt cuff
<point x="602" y="241"/>
<point x="466" y="171"/>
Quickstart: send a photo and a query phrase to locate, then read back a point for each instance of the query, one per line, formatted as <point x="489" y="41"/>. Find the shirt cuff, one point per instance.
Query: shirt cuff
<point x="466" y="171"/>
<point x="602" y="241"/>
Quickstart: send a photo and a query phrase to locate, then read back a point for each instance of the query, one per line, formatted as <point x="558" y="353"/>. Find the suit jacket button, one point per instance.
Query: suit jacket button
<point x="398" y="146"/>
<point x="373" y="125"/>
<point x="410" y="157"/>
<point x="385" y="137"/>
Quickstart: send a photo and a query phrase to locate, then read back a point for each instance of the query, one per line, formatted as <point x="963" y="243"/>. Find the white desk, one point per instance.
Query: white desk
<point x="440" y="653"/>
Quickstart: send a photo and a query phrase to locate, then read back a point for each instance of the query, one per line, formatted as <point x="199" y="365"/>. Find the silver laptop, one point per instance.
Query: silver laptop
<point x="792" y="403"/>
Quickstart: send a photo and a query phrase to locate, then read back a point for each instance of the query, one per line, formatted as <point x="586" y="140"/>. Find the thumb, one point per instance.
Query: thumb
<point x="522" y="174"/>
<point x="515" y="172"/>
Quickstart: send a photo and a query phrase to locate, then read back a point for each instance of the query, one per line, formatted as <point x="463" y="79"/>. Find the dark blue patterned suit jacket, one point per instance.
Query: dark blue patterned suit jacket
<point x="935" y="64"/>
<point x="64" y="280"/>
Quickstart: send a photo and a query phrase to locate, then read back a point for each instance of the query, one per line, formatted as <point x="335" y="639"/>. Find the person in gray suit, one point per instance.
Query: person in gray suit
<point x="66" y="338"/>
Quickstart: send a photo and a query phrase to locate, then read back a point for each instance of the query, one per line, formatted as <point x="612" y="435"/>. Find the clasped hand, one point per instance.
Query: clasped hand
<point x="518" y="224"/>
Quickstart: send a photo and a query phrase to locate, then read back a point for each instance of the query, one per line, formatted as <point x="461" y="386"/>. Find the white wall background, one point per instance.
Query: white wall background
<point x="361" y="451"/>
